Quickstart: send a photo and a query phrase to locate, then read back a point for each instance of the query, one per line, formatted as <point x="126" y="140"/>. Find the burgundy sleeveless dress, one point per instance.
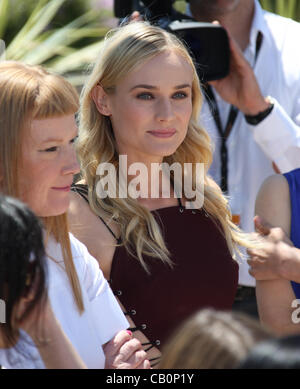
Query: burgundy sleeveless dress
<point x="204" y="275"/>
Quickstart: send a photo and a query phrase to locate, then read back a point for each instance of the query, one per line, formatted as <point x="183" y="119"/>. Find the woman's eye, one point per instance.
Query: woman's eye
<point x="180" y="95"/>
<point x="51" y="149"/>
<point x="72" y="141"/>
<point x="145" y="96"/>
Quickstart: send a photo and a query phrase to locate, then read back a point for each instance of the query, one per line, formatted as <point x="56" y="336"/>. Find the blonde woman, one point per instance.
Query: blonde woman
<point x="164" y="261"/>
<point x="212" y="340"/>
<point x="37" y="164"/>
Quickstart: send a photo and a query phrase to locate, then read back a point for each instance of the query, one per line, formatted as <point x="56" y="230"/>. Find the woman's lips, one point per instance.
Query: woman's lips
<point x="63" y="188"/>
<point x="163" y="133"/>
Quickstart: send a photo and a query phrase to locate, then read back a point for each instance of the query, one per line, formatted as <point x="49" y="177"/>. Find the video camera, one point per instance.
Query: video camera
<point x="207" y="42"/>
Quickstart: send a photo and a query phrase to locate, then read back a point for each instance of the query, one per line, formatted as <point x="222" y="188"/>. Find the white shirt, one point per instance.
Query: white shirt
<point x="251" y="149"/>
<point x="98" y="324"/>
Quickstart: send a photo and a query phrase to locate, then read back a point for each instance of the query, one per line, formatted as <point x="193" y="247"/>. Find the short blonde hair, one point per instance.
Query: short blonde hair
<point x="26" y="93"/>
<point x="212" y="340"/>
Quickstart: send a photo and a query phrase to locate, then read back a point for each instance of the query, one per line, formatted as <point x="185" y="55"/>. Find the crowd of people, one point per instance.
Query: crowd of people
<point x="122" y="270"/>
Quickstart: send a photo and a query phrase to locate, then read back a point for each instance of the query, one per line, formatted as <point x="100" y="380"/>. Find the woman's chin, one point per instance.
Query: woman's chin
<point x="164" y="152"/>
<point x="53" y="211"/>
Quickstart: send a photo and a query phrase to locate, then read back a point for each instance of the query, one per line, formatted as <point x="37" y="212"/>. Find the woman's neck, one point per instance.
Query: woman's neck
<point x="142" y="176"/>
<point x="147" y="181"/>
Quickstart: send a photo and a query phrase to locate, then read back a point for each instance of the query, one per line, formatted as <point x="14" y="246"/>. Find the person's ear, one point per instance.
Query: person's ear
<point x="101" y="100"/>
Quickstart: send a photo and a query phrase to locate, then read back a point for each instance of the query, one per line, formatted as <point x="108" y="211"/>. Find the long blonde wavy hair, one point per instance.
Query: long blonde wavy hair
<point x="28" y="93"/>
<point x="124" y="50"/>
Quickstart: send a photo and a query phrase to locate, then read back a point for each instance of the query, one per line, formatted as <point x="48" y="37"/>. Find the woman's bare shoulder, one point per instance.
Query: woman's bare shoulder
<point x="274" y="192"/>
<point x="273" y="202"/>
<point x="276" y="184"/>
<point x="87" y="227"/>
<point x="79" y="209"/>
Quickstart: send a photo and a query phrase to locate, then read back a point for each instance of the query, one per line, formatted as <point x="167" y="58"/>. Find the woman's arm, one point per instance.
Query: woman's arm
<point x="121" y="351"/>
<point x="90" y="230"/>
<point x="275" y="294"/>
<point x="54" y="346"/>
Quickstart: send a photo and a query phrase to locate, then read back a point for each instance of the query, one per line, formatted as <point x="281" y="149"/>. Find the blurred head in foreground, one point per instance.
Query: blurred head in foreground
<point x="212" y="340"/>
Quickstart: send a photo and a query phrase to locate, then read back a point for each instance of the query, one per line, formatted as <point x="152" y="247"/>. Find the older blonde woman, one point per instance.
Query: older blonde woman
<point x="164" y="260"/>
<point x="37" y="164"/>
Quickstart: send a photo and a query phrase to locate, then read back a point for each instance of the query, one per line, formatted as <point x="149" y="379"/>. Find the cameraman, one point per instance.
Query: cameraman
<point x="264" y="85"/>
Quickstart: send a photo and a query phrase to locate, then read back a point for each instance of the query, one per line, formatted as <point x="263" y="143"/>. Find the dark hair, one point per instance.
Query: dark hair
<point x="22" y="262"/>
<point x="280" y="353"/>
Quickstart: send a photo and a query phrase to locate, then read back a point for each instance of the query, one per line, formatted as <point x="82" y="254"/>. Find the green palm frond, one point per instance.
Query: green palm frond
<point x="38" y="42"/>
<point x="66" y="35"/>
<point x="37" y="22"/>
<point x="77" y="59"/>
<point x="3" y="16"/>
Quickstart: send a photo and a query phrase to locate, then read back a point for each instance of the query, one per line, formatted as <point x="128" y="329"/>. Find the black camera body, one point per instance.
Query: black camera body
<point x="208" y="43"/>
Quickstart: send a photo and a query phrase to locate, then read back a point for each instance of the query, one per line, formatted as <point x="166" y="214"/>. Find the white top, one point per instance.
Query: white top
<point x="251" y="149"/>
<point x="100" y="321"/>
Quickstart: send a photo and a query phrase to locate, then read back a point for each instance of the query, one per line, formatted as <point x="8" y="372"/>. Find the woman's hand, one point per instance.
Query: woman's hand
<point x="273" y="234"/>
<point x="124" y="352"/>
<point x="268" y="262"/>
